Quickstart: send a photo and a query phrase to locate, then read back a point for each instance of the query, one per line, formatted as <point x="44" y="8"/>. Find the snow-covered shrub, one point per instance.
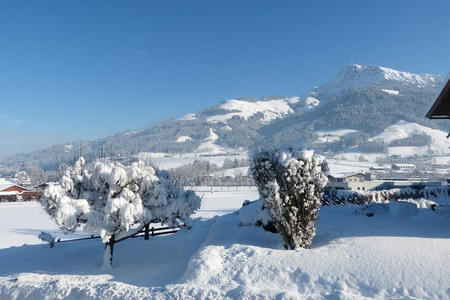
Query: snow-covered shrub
<point x="253" y="213"/>
<point x="112" y="199"/>
<point x="437" y="194"/>
<point x="290" y="183"/>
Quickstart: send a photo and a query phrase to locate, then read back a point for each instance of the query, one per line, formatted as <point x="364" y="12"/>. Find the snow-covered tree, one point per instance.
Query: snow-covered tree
<point x="116" y="200"/>
<point x="290" y="183"/>
<point x="22" y="178"/>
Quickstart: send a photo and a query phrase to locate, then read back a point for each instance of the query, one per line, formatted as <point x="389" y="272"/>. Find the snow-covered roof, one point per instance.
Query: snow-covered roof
<point x="346" y="175"/>
<point x="4" y="184"/>
<point x="404" y="165"/>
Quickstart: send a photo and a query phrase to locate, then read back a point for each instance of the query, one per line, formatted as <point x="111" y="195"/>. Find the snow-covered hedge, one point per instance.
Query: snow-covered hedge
<point x="290" y="183"/>
<point x="111" y="199"/>
<point x="438" y="194"/>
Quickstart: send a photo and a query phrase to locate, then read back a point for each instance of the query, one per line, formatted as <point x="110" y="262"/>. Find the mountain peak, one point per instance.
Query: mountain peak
<point x="357" y="76"/>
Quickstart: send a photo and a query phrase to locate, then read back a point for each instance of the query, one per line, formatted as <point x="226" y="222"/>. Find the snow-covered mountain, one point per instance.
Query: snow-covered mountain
<point x="269" y="110"/>
<point x="358" y="76"/>
<point x="256" y="111"/>
<point x="359" y="103"/>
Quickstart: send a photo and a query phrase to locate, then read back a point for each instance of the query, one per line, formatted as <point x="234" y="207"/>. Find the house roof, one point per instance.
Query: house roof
<point x="346" y="175"/>
<point x="6" y="184"/>
<point x="441" y="107"/>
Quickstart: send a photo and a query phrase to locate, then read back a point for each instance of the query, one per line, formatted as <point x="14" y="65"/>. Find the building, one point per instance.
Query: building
<point x="10" y="192"/>
<point x="404" y="167"/>
<point x="441" y="106"/>
<point x="353" y="182"/>
<point x="361" y="182"/>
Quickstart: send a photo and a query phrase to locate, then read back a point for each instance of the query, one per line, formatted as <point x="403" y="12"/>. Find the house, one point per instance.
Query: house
<point x="361" y="182"/>
<point x="10" y="192"/>
<point x="354" y="182"/>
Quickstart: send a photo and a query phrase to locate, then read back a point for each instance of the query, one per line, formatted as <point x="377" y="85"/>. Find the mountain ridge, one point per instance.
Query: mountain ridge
<point x="368" y="98"/>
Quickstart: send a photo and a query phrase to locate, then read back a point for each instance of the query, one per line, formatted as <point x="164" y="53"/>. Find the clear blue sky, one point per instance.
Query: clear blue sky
<point x="85" y="69"/>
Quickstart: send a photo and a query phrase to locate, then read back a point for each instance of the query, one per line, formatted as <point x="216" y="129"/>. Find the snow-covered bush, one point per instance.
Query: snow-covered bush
<point x="253" y="213"/>
<point x="113" y="200"/>
<point x="290" y="183"/>
<point x="437" y="194"/>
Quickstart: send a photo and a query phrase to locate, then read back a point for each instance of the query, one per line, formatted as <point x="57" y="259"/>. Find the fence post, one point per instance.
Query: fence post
<point x="111" y="248"/>
<point x="147" y="226"/>
<point x="153" y="231"/>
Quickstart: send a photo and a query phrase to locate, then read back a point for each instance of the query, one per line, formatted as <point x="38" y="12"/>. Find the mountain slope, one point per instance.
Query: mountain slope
<point x="363" y="98"/>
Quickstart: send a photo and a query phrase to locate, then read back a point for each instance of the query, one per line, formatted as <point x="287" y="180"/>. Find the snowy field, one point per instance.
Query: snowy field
<point x="391" y="255"/>
<point x="169" y="161"/>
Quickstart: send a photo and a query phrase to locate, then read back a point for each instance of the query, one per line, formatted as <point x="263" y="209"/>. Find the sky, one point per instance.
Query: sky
<point x="72" y="70"/>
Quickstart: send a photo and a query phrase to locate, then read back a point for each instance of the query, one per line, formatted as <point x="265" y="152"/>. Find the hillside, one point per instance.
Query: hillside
<point x="363" y="99"/>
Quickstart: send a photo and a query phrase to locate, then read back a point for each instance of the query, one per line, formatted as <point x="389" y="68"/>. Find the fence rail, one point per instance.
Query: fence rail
<point x="144" y="232"/>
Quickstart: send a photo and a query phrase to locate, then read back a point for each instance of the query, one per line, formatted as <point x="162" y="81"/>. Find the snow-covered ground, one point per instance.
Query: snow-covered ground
<point x="270" y="109"/>
<point x="329" y="136"/>
<point x="439" y="144"/>
<point x="169" y="161"/>
<point x="352" y="161"/>
<point x="183" y="139"/>
<point x="209" y="146"/>
<point x="387" y="256"/>
<point x="232" y="172"/>
<point x="342" y="167"/>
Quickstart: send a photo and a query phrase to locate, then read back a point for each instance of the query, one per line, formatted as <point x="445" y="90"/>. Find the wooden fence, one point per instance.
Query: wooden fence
<point x="145" y="232"/>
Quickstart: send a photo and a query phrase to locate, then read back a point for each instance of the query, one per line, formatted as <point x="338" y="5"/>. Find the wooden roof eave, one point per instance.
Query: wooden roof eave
<point x="441" y="106"/>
